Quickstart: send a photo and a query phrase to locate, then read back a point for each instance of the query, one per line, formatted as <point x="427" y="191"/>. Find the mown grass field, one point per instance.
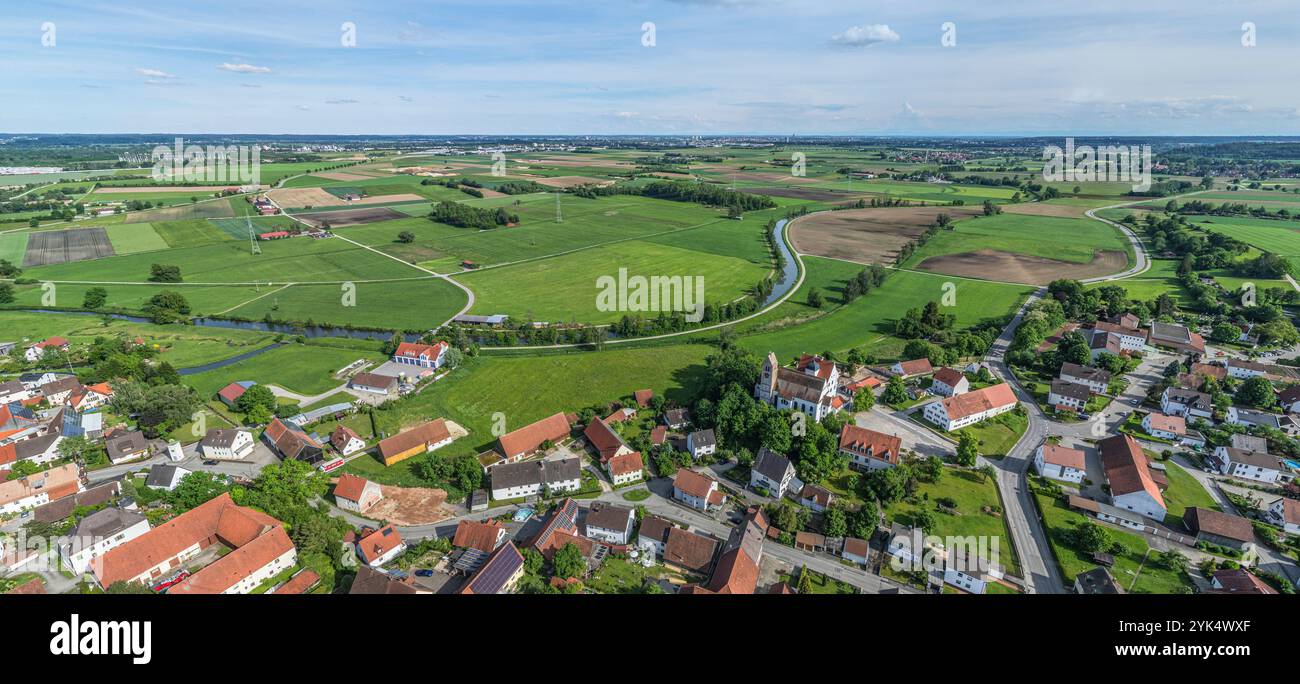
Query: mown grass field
<point x="1161" y="278"/>
<point x="1279" y="237"/>
<point x="564" y="288"/>
<point x="306" y="369"/>
<point x="129" y="238"/>
<point x="406" y="305"/>
<point x="1065" y="239"/>
<point x="868" y="321"/>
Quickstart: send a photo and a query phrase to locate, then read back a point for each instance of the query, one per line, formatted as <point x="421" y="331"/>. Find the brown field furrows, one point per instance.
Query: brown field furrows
<point x="872" y="235"/>
<point x="350" y="217"/>
<point x="61" y="246"/>
<point x="989" y="264"/>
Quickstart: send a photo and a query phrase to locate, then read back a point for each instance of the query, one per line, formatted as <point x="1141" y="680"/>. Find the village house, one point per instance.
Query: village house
<point x="229" y="444"/>
<point x="1127" y="471"/>
<point x="677" y="418"/>
<point x="1060" y="463"/>
<point x="869" y="449"/>
<point x="772" y="472"/>
<point x="36" y="351"/>
<point x="1238" y="581"/>
<point x="652" y="534"/>
<point x="428" y="356"/>
<point x="259" y="550"/>
<point x="688" y="551"/>
<point x="1068" y="396"/>
<point x="1096" y="581"/>
<point x="99" y="533"/>
<point x="1127" y="339"/>
<point x="1177" y="338"/>
<point x="1104" y="343"/>
<point x="291" y="442"/>
<point x="605" y="440"/>
<point x="811" y="387"/>
<point x="1164" y="426"/>
<point x="378" y="582"/>
<point x="1260" y="466"/>
<point x="485" y="536"/>
<point x="1250" y="417"/>
<point x="91" y="397"/>
<point x="1242" y="369"/>
<point x="346" y="441"/>
<point x="166" y="477"/>
<point x="856" y="551"/>
<point x="1215" y="527"/>
<point x="499" y="575"/>
<point x="232" y="392"/>
<point x="59" y="392"/>
<point x="356" y="494"/>
<point x="969" y="571"/>
<point x="527" y="440"/>
<point x="12" y="391"/>
<point x="816" y="498"/>
<point x="961" y="410"/>
<point x="697" y="491"/>
<point x="1187" y="403"/>
<point x="610" y="523"/>
<point x="1096" y="380"/>
<point x="35" y="450"/>
<point x="380" y="546"/>
<point x="949" y="381"/>
<point x="625" y="468"/>
<point x="738" y="564"/>
<point x="527" y="479"/>
<point x="1289" y="399"/>
<point x="1285" y="513"/>
<point x="127" y="447"/>
<point x="373" y="383"/>
<point x="701" y="443"/>
<point x="420" y="439"/>
<point x="912" y="369"/>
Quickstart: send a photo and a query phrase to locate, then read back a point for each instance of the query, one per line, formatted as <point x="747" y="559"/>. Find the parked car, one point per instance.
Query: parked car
<point x="163" y="586"/>
<point x="209" y="463"/>
<point x="424" y="572"/>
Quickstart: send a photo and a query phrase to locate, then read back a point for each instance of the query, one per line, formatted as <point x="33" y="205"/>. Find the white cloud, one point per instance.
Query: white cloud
<point x="244" y="68"/>
<point x="866" y="36"/>
<point x="154" y="73"/>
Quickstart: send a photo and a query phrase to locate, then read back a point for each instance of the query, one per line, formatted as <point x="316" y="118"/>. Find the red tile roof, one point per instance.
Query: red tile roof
<point x="693" y="483"/>
<point x="350" y="487"/>
<point x="299" y="583"/>
<point x="643" y="397"/>
<point x="478" y="535"/>
<point x="412" y="350"/>
<point x="228" y="570"/>
<point x="342" y="435"/>
<point x="1063" y="456"/>
<point x="626" y="463"/>
<point x="916" y="367"/>
<point x="949" y="376"/>
<point x="530" y="437"/>
<point x="866" y="442"/>
<point x="232" y="392"/>
<point x="978" y="401"/>
<point x="379" y="542"/>
<point x="1126" y="467"/>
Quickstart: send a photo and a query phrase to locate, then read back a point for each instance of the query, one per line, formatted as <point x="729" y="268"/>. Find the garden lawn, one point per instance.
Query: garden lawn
<point x="972" y="493"/>
<point x="1136" y="576"/>
<point x="996" y="435"/>
<point x="305" y="369"/>
<point x="1184" y="492"/>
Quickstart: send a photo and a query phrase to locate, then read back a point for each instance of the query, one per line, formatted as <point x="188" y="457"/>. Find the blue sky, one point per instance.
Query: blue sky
<point x="717" y="66"/>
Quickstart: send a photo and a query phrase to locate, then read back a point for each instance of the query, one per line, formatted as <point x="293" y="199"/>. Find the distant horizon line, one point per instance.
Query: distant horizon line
<point x="1164" y="136"/>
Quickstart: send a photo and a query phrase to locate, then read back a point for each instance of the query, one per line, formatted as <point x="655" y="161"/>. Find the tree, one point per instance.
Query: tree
<point x="1225" y="332"/>
<point x="194" y="490"/>
<point x="932" y="468"/>
<point x="835" y="522"/>
<point x="1090" y="537"/>
<point x="6" y="293"/>
<point x="895" y="391"/>
<point x="569" y="562"/>
<point x="533" y="561"/>
<point x="1174" y="560"/>
<point x="95" y="298"/>
<point x="864" y="399"/>
<point x="254" y="397"/>
<point x="167" y="306"/>
<point x="968" y="450"/>
<point x="1257" y="392"/>
<point x="815" y="299"/>
<point x="406" y="237"/>
<point x="163" y="273"/>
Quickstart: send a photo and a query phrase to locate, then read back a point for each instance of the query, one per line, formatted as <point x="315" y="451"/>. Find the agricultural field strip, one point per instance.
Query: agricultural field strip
<point x="245" y="303"/>
<point x="587" y="247"/>
<point x="56" y="224"/>
<point x="469" y="294"/>
<point x="795" y="288"/>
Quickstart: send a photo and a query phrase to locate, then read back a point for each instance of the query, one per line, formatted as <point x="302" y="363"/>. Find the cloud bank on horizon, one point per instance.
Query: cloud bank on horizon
<point x="834" y="67"/>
